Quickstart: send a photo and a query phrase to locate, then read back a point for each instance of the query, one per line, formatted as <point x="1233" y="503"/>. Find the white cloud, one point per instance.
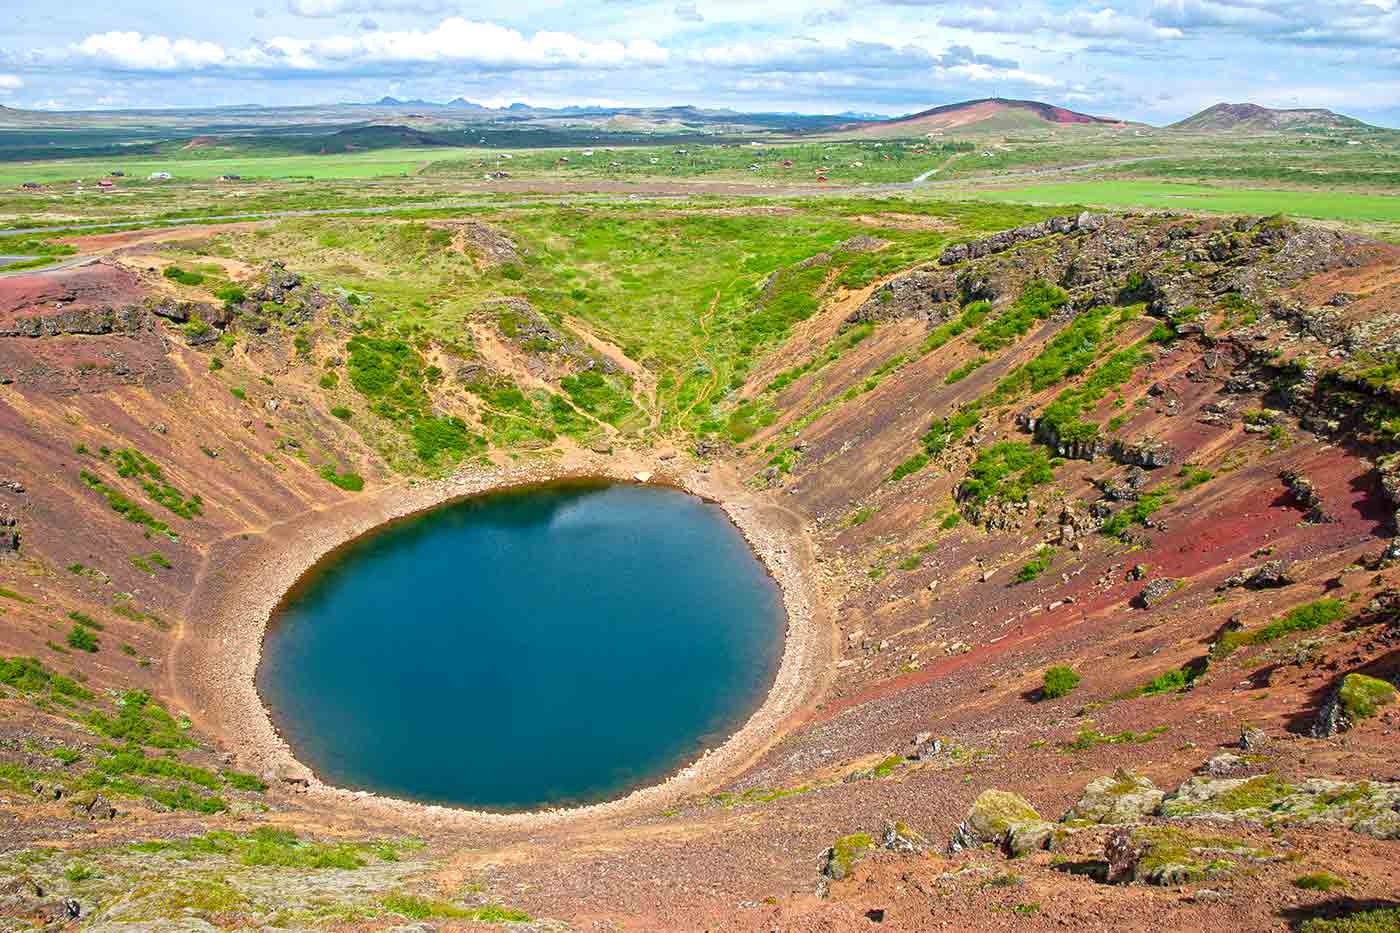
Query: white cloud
<point x="454" y="41"/>
<point x="1102" y="23"/>
<point x="317" y="9"/>
<point x="1330" y="23"/>
<point x="10" y="83"/>
<point x="138" y="52"/>
<point x="687" y="13"/>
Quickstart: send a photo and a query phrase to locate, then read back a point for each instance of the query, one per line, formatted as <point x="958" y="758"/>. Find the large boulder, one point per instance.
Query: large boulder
<point x="1357" y="697"/>
<point x="1122" y="797"/>
<point x="1003" y="819"/>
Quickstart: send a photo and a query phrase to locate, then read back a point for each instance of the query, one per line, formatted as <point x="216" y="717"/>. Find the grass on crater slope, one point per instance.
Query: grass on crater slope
<point x="695" y="295"/>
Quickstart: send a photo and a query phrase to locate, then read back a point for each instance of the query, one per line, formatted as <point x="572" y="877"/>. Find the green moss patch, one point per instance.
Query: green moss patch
<point x="1361" y="696"/>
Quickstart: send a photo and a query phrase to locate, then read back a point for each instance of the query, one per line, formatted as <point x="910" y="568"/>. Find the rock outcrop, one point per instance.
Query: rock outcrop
<point x="1009" y="239"/>
<point x="1122" y="797"/>
<point x="129" y="320"/>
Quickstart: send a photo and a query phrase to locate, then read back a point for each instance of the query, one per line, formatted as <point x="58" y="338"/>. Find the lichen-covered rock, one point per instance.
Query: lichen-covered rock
<point x="993" y="815"/>
<point x="1029" y="836"/>
<point x="1356" y="698"/>
<point x="1368" y="807"/>
<point x="1007" y="239"/>
<point x="487" y="245"/>
<point x="1223" y="764"/>
<point x="1155" y="593"/>
<point x="1122" y="797"/>
<point x="1306" y="494"/>
<point x="1268" y="575"/>
<point x="519" y="322"/>
<point x="901" y="837"/>
<point x="1252" y="737"/>
<point x="1361" y="696"/>
<point x="1148" y="453"/>
<point x="1168" y="857"/>
<point x="844" y="853"/>
<point x="128" y="320"/>
<point x="919" y="295"/>
<point x="1070" y="447"/>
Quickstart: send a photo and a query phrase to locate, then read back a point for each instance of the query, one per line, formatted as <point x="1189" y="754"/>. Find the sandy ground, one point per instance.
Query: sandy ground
<point x="245" y="578"/>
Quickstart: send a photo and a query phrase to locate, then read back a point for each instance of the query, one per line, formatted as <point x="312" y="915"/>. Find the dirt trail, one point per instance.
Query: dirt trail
<point x="640" y="375"/>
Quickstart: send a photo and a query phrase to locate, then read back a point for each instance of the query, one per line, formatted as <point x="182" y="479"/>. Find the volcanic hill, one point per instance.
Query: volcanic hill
<point x="989" y="115"/>
<point x="1233" y="118"/>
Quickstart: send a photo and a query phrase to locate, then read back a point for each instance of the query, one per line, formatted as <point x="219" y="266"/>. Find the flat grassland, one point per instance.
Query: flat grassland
<point x="1350" y="177"/>
<point x="375" y="164"/>
<point x="1234" y="199"/>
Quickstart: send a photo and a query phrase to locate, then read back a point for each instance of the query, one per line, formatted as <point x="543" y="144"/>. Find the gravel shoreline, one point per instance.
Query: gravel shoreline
<point x="213" y="666"/>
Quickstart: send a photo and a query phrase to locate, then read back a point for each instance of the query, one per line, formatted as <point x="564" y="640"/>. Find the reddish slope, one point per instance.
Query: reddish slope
<point x="989" y="113"/>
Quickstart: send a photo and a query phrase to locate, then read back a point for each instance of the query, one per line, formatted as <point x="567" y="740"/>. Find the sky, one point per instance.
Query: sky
<point x="1150" y="60"/>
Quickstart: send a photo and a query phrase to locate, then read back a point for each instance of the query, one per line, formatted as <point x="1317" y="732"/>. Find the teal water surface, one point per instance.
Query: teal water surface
<point x="556" y="645"/>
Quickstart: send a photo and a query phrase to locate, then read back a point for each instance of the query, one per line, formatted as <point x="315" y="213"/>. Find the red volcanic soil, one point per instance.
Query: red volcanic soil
<point x="96" y="285"/>
<point x="968" y="113"/>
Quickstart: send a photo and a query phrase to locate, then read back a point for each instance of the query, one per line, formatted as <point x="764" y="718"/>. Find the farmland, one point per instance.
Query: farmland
<point x="377" y="164"/>
<point x="1365" y="208"/>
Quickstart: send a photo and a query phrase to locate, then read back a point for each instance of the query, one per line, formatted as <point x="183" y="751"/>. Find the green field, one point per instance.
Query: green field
<point x="1319" y="205"/>
<point x="386" y="162"/>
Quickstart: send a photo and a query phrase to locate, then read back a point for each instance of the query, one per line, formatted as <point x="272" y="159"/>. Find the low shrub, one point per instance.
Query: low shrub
<point x="82" y="638"/>
<point x="1059" y="681"/>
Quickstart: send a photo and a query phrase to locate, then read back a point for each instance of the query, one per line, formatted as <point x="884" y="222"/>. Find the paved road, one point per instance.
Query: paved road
<point x="923" y="180"/>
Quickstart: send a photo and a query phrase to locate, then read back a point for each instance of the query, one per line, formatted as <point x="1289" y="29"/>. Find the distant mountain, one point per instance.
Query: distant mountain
<point x="1229" y="118"/>
<point x="992" y="114"/>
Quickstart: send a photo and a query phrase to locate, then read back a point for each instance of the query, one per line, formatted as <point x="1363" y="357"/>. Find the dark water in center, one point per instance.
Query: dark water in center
<point x="555" y="645"/>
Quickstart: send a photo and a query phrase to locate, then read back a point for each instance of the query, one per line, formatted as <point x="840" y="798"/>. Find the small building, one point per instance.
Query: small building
<point x="106" y="183"/>
<point x="159" y="176"/>
<point x="117" y="174"/>
<point x="31" y="186"/>
<point x="230" y="178"/>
